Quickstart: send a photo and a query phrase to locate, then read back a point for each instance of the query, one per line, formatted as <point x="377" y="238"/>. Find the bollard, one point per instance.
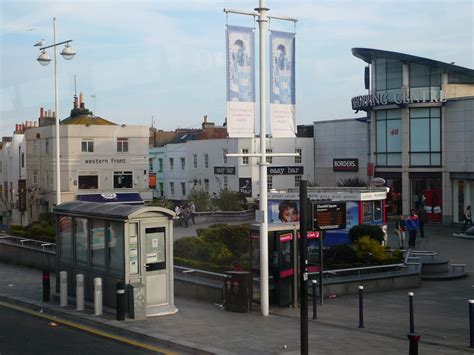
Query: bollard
<point x="361" y="307"/>
<point x="471" y="322"/>
<point x="120" y="301"/>
<point x="315" y="296"/>
<point x="79" y="292"/>
<point x="46" y="286"/>
<point x="97" y="296"/>
<point x="63" y="288"/>
<point x="414" y="339"/>
<point x="412" y="318"/>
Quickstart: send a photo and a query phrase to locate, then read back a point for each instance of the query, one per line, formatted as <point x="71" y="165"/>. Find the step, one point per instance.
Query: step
<point x="445" y="276"/>
<point x="434" y="265"/>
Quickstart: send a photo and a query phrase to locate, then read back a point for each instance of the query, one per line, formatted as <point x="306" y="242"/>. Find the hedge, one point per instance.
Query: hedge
<point x="366" y="230"/>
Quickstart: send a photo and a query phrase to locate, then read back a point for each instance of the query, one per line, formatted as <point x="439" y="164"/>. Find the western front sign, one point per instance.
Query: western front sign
<point x="106" y="161"/>
<point x="285" y="170"/>
<point x="351" y="165"/>
<point x="400" y="97"/>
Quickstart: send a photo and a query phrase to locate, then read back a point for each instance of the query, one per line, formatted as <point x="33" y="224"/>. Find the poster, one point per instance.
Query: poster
<point x="240" y="59"/>
<point x="282" y="84"/>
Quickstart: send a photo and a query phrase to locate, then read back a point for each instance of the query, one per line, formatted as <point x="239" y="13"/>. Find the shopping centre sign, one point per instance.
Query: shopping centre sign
<point x="365" y="102"/>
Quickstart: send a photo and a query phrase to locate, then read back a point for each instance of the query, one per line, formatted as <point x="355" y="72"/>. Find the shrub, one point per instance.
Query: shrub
<point x="201" y="199"/>
<point x="235" y="237"/>
<point x="369" y="250"/>
<point x="340" y="254"/>
<point x="372" y="231"/>
<point x="162" y="202"/>
<point x="231" y="201"/>
<point x="16" y="229"/>
<point x="351" y="182"/>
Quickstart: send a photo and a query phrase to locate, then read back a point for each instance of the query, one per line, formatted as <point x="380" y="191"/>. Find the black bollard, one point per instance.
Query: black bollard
<point x="471" y="322"/>
<point x="361" y="306"/>
<point x="120" y="301"/>
<point x="414" y="340"/>
<point x="46" y="287"/>
<point x="315" y="296"/>
<point x="412" y="318"/>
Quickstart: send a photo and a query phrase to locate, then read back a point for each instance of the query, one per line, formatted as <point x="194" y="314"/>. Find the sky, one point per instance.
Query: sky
<point x="166" y="59"/>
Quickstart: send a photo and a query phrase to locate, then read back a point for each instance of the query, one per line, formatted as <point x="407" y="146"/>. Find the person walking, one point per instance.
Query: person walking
<point x="192" y="208"/>
<point x="400" y="230"/>
<point x="186" y="213"/>
<point x="467" y="217"/>
<point x="179" y="214"/>
<point x="422" y="218"/>
<point x="412" y="226"/>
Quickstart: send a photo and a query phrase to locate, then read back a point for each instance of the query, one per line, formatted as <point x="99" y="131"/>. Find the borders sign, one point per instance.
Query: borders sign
<point x="349" y="165"/>
<point x="329" y="215"/>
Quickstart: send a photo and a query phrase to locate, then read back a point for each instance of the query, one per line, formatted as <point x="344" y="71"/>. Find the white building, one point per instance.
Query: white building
<point x="100" y="161"/>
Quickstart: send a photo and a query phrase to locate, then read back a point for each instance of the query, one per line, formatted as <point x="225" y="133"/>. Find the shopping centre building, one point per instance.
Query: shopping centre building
<point x="420" y="119"/>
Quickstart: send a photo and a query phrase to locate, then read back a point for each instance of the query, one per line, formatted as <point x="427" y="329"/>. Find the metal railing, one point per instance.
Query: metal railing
<point x="196" y="275"/>
<point x="29" y="243"/>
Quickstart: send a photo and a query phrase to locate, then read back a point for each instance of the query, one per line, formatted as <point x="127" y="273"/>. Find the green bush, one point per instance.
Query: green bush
<point x="369" y="250"/>
<point x="340" y="254"/>
<point x="231" y="201"/>
<point x="42" y="231"/>
<point x="361" y="230"/>
<point x="352" y="182"/>
<point x="235" y="237"/>
<point x="17" y="230"/>
<point x="162" y="202"/>
<point x="198" y="249"/>
<point x="201" y="199"/>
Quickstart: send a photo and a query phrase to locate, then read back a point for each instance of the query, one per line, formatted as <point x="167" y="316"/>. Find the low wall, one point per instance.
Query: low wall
<point x="223" y="217"/>
<point x="199" y="290"/>
<point x="29" y="257"/>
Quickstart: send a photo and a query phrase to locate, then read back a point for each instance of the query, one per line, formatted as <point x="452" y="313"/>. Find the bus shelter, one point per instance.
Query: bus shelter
<point x="116" y="242"/>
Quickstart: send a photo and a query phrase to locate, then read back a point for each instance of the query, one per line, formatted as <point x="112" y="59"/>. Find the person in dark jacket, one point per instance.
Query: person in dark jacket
<point x="467" y="217"/>
<point x="422" y="218"/>
<point x="412" y="225"/>
<point x="400" y="230"/>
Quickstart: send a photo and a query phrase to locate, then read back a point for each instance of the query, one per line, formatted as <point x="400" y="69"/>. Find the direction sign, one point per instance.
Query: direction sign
<point x="329" y="215"/>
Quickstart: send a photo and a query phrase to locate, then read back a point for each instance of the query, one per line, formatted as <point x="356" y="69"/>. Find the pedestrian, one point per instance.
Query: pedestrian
<point x="193" y="211"/>
<point x="467" y="217"/>
<point x="178" y="212"/>
<point x="422" y="218"/>
<point x="412" y="226"/>
<point x="186" y="213"/>
<point x="400" y="230"/>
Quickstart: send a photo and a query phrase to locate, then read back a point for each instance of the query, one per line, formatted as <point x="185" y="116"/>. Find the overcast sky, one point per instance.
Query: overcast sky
<point x="167" y="58"/>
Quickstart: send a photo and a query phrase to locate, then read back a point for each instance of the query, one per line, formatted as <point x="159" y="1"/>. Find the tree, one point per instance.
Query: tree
<point x="162" y="202"/>
<point x="231" y="201"/>
<point x="201" y="199"/>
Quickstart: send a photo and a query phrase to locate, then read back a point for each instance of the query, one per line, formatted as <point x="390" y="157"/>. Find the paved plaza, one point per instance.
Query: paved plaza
<point x="441" y="315"/>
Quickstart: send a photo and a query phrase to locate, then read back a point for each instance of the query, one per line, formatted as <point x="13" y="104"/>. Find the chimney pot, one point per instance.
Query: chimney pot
<point x="75" y="102"/>
<point x="41" y="112"/>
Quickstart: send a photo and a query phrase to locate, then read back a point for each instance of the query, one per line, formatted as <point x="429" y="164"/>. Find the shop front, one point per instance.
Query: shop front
<point x="426" y="192"/>
<point x="463" y="194"/>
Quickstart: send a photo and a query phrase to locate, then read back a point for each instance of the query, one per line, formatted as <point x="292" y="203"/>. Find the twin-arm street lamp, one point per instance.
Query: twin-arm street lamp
<point x="68" y="53"/>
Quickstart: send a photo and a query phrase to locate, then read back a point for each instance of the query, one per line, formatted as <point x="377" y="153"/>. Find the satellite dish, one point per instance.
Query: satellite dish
<point x="378" y="182"/>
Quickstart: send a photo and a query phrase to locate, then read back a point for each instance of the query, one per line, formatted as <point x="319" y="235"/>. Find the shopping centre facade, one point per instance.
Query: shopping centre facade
<point x="420" y="119"/>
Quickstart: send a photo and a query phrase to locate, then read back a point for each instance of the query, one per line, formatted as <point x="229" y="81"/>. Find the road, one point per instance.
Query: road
<point x="23" y="333"/>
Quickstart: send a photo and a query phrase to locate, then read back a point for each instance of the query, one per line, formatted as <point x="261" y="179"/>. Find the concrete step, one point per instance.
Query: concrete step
<point x="434" y="265"/>
<point x="445" y="276"/>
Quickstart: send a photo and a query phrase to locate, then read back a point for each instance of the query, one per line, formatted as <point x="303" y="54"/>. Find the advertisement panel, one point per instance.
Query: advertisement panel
<point x="282" y="84"/>
<point x="240" y="58"/>
<point x="245" y="186"/>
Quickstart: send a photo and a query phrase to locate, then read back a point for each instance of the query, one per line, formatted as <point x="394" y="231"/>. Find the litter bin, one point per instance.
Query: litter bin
<point x="237" y="291"/>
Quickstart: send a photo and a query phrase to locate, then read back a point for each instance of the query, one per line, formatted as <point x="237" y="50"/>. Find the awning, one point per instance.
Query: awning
<point x="130" y="198"/>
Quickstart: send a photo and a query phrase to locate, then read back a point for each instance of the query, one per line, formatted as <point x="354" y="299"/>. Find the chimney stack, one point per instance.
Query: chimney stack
<point x="81" y="100"/>
<point x="75" y="102"/>
<point x="205" y="118"/>
<point x="41" y="112"/>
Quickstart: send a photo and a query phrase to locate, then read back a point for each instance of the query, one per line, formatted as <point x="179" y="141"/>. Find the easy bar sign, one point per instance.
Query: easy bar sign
<point x="329" y="215"/>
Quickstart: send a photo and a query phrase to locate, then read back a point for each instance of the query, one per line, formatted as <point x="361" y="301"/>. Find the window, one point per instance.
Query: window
<point x="171" y="163"/>
<point x="65" y="238"/>
<point x="123" y="179"/>
<point x="224" y="155"/>
<point x="206" y="161"/>
<point x="425" y="137"/>
<point x="389" y="138"/>
<point x="162" y="192"/>
<point x="172" y="188"/>
<point x="35" y="176"/>
<point x="183" y="188"/>
<point x="297" y="180"/>
<point x="425" y="82"/>
<point x="388" y="77"/>
<point x="160" y="165"/>
<point x="195" y="161"/>
<point x="22" y="160"/>
<point x="46" y="146"/>
<point x="378" y="215"/>
<point x="298" y="159"/>
<point x="81" y="241"/>
<point x="115" y="242"/>
<point x="245" y="160"/>
<point x="206" y="185"/>
<point x="226" y="182"/>
<point x="183" y="163"/>
<point x="88" y="181"/>
<point x="269" y="182"/>
<point x="98" y="243"/>
<point x="122" y="145"/>
<point x="150" y="164"/>
<point x="87" y="146"/>
<point x="269" y="159"/>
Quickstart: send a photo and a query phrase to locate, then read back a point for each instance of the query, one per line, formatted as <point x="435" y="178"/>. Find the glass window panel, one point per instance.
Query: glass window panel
<point x="65" y="237"/>
<point x="378" y="215"/>
<point x="394" y="114"/>
<point x="381" y="136"/>
<point x="420" y="94"/>
<point x="380" y="69"/>
<point x="419" y="112"/>
<point x="435" y="159"/>
<point x="98" y="243"/>
<point x="419" y="135"/>
<point x="435" y="77"/>
<point x="420" y="159"/>
<point x="381" y="159"/>
<point x="394" y="74"/>
<point x="394" y="159"/>
<point x="419" y="75"/>
<point x="115" y="240"/>
<point x="381" y="115"/>
<point x="82" y="243"/>
<point x="435" y="135"/>
<point x="435" y="112"/>
<point x="394" y="136"/>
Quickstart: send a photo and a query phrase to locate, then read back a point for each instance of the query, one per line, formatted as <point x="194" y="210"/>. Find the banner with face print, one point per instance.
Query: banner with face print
<point x="282" y="84"/>
<point x="240" y="53"/>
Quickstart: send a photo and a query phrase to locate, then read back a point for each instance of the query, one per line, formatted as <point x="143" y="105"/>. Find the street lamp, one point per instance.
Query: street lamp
<point x="68" y="53"/>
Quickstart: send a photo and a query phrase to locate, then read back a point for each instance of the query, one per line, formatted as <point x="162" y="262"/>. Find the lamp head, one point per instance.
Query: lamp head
<point x="44" y="58"/>
<point x="68" y="52"/>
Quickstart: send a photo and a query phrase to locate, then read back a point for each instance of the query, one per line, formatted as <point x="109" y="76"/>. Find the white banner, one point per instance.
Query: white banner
<point x="282" y="84"/>
<point x="240" y="50"/>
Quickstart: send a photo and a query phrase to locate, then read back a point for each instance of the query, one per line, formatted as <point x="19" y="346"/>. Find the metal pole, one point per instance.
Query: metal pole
<point x="303" y="267"/>
<point x="264" y="293"/>
<point x="63" y="288"/>
<point x="412" y="318"/>
<point x="56" y="108"/>
<point x="361" y="307"/>
<point x="315" y="301"/>
<point x="97" y="296"/>
<point x="471" y="323"/>
<point x="79" y="292"/>
<point x="46" y="286"/>
<point x="321" y="269"/>
<point x="120" y="312"/>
